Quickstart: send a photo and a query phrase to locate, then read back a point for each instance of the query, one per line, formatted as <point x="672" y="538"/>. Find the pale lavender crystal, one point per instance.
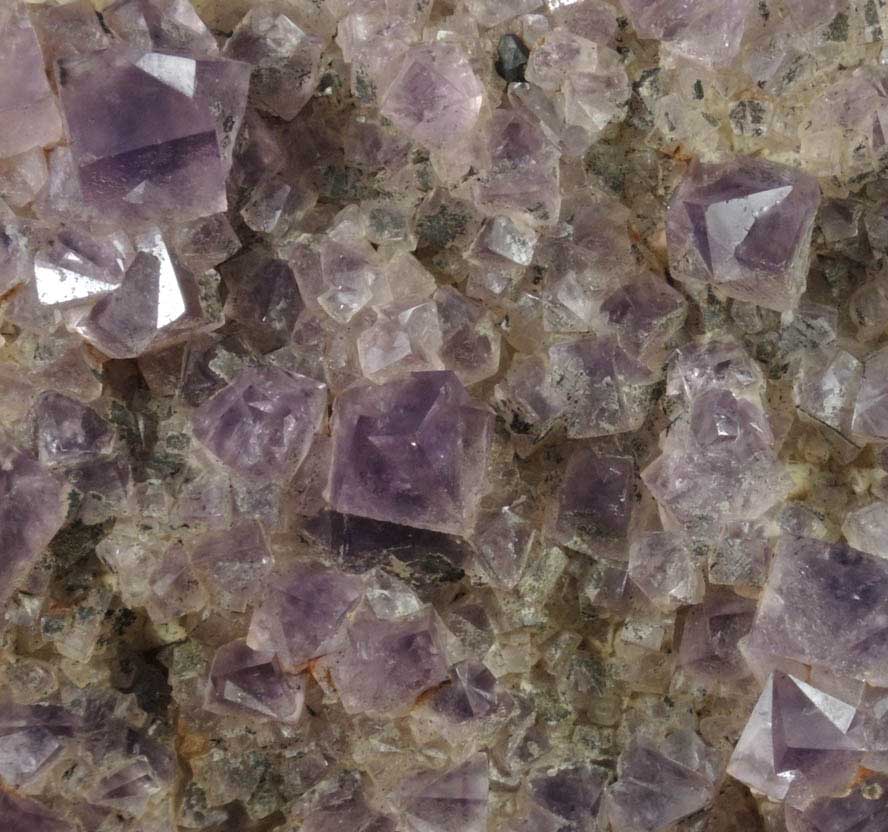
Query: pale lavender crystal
<point x="436" y="97"/>
<point x="263" y="423"/>
<point x="865" y="809"/>
<point x="644" y="315"/>
<point x="30" y="115"/>
<point x="173" y="587"/>
<point x="69" y="431"/>
<point x="827" y="386"/>
<point x="128" y="788"/>
<point x="825" y="604"/>
<point x="162" y="25"/>
<point x="250" y="682"/>
<point x="156" y="304"/>
<point x="744" y="227"/>
<point x="593" y="509"/>
<point x="31" y="737"/>
<point x="33" y="505"/>
<point x="22" y="177"/>
<point x="412" y="451"/>
<point x="798" y="738"/>
<point x="285" y="60"/>
<point x="345" y="808"/>
<point x="303" y="613"/>
<point x="472" y="693"/>
<point x="503" y="541"/>
<point x="22" y="813"/>
<point x="707" y="32"/>
<point x="572" y="794"/>
<point x="69" y="29"/>
<point x="470" y="341"/>
<point x="233" y="564"/>
<point x="657" y="786"/>
<point x="521" y="174"/>
<point x="708" y="647"/>
<point x="717" y="363"/>
<point x="718" y="467"/>
<point x="206" y="242"/>
<point x="664" y="567"/>
<point x="606" y="391"/>
<point x="385" y="665"/>
<point x="16" y="259"/>
<point x="162" y="150"/>
<point x="870" y="419"/>
<point x="492" y="12"/>
<point x="453" y="800"/>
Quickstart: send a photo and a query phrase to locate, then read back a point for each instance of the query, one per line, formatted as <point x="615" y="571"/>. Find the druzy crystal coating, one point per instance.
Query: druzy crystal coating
<point x="443" y="416"/>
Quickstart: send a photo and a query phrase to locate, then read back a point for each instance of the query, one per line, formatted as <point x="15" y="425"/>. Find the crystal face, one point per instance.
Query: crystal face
<point x="412" y="452"/>
<point x="744" y="227"/>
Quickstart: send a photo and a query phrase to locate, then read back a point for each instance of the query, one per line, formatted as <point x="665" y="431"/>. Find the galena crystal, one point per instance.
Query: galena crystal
<point x="745" y="228"/>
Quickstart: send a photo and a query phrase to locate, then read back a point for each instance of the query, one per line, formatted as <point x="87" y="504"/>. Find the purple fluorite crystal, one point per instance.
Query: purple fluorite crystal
<point x="436" y="97"/>
<point x="33" y="505"/>
<point x="659" y="786"/>
<point x="826" y="604"/>
<point x="385" y="665"/>
<point x="170" y="165"/>
<point x="446" y="801"/>
<point x="411" y="451"/>
<point x="69" y="431"/>
<point x="303" y="612"/>
<point x="798" y="736"/>
<point x="250" y="682"/>
<point x="593" y="509"/>
<point x="745" y="228"/>
<point x="263" y="423"/>
<point x="30" y="114"/>
<point x="162" y="25"/>
<point x="22" y="813"/>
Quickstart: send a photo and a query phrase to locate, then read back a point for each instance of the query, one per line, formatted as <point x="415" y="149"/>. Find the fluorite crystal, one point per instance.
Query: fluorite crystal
<point x="30" y="113"/>
<point x="263" y="423"/>
<point x="412" y="451"/>
<point x="171" y="166"/>
<point x="436" y="97"/>
<point x="745" y="228"/>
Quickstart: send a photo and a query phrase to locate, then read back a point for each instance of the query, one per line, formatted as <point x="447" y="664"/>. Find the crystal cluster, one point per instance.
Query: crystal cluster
<point x="443" y="416"/>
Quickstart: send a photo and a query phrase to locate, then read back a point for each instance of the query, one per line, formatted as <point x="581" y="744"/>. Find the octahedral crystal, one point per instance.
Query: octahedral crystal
<point x="243" y="680"/>
<point x="160" y="25"/>
<point x="436" y="97"/>
<point x="30" y="113"/>
<point x="262" y="424"/>
<point x="865" y="809"/>
<point x="798" y="735"/>
<point x="592" y="512"/>
<point x="412" y="451"/>
<point x="659" y="786"/>
<point x="171" y="166"/>
<point x="870" y="418"/>
<point x="33" y="504"/>
<point x="823" y="605"/>
<point x="663" y="566"/>
<point x="745" y="228"/>
<point x="19" y="812"/>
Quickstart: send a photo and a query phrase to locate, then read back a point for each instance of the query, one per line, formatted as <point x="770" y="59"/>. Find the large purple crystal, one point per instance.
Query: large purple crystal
<point x="826" y="604"/>
<point x="411" y="451"/>
<point x="745" y="228"/>
<point x="151" y="132"/>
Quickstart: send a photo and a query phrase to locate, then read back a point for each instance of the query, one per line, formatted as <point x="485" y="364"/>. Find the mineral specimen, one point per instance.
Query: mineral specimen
<point x="443" y="416"/>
